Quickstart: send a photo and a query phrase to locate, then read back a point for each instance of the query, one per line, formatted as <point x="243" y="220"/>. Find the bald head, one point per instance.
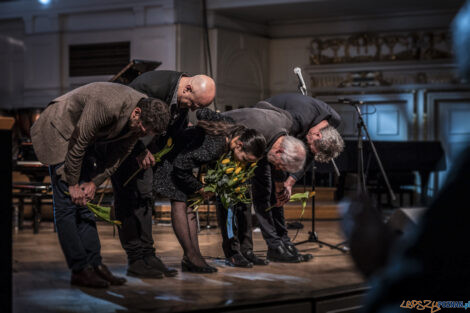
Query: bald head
<point x="196" y="92"/>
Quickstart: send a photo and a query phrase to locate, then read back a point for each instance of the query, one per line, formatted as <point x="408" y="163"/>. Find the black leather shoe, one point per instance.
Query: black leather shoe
<point x="88" y="278"/>
<point x="294" y="251"/>
<point x="140" y="269"/>
<point x="188" y="266"/>
<point x="238" y="260"/>
<point x="250" y="256"/>
<point x="157" y="264"/>
<point x="281" y="254"/>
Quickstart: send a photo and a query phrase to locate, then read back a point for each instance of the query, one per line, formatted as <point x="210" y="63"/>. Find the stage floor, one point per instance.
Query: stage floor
<point x="41" y="278"/>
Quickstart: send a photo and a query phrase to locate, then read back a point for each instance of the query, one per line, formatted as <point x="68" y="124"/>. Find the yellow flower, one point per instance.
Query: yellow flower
<point x="229" y="170"/>
<point x="243" y="180"/>
<point x="237" y="189"/>
<point x="311" y="194"/>
<point x="235" y="179"/>
<point x="238" y="170"/>
<point x="253" y="164"/>
<point x="169" y="142"/>
<point x="225" y="161"/>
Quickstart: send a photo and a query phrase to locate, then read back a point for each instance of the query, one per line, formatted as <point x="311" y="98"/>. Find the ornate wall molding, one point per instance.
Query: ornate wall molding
<point x="379" y="47"/>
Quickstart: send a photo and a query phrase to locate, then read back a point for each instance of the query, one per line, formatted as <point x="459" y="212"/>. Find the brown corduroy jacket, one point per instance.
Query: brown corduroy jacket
<point x="93" y="113"/>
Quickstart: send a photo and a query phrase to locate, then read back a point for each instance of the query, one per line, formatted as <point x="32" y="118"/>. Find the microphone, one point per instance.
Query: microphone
<point x="302" y="86"/>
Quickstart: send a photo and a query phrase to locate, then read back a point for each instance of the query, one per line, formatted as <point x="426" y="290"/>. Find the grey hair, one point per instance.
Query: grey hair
<point x="329" y="146"/>
<point x="293" y="156"/>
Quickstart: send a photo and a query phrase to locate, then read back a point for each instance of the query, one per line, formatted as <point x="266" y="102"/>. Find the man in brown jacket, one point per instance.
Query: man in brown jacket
<point x="69" y="136"/>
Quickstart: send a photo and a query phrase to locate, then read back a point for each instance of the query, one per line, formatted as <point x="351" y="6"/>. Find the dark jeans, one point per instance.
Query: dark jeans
<point x="134" y="206"/>
<point x="240" y="223"/>
<point x="76" y="226"/>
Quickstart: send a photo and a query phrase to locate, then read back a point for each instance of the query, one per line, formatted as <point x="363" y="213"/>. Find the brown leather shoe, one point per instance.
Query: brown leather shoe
<point x="104" y="273"/>
<point x="88" y="278"/>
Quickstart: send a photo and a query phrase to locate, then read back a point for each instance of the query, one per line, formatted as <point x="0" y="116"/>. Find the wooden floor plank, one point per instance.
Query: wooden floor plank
<point x="41" y="278"/>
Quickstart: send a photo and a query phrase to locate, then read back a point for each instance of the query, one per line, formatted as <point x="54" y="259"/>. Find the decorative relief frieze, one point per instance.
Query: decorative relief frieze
<point x="377" y="78"/>
<point x="375" y="47"/>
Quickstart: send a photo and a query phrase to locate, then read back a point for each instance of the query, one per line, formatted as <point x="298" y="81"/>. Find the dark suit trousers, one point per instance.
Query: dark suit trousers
<point x="134" y="206"/>
<point x="242" y="240"/>
<point x="76" y="226"/>
<point x="272" y="222"/>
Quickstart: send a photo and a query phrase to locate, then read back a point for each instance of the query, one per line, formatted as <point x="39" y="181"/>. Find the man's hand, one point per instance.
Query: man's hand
<point x="145" y="159"/>
<point x="89" y="188"/>
<point x="282" y="194"/>
<point x="77" y="194"/>
<point x="205" y="194"/>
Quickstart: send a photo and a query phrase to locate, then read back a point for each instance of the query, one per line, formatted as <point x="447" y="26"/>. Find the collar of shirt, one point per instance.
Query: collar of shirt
<point x="174" y="109"/>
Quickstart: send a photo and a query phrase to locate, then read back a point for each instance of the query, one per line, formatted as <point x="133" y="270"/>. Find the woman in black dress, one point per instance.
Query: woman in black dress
<point x="205" y="143"/>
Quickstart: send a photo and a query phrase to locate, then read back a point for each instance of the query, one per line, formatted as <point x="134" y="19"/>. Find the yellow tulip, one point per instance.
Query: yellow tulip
<point x="237" y="189"/>
<point x="311" y="194"/>
<point x="235" y="179"/>
<point x="169" y="142"/>
<point x="225" y="161"/>
<point x="238" y="170"/>
<point x="243" y="180"/>
<point x="253" y="164"/>
<point x="229" y="170"/>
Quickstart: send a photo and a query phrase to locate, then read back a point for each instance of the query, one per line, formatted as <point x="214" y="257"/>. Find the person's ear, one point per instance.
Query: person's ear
<point x="238" y="144"/>
<point x="136" y="113"/>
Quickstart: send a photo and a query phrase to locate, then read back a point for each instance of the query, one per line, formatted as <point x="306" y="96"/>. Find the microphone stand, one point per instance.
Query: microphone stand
<point x="312" y="235"/>
<point x="361" y="179"/>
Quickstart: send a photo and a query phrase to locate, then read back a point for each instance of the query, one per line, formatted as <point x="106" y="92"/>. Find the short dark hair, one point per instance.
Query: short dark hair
<point x="155" y="114"/>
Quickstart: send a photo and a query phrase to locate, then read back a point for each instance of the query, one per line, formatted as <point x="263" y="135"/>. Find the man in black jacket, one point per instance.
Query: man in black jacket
<point x="313" y="122"/>
<point x="283" y="153"/>
<point x="134" y="202"/>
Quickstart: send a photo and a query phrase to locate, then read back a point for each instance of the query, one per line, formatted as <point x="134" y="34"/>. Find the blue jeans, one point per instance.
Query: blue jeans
<point x="76" y="226"/>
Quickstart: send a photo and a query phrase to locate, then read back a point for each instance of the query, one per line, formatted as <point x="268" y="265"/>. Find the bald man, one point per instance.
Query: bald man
<point x="134" y="202"/>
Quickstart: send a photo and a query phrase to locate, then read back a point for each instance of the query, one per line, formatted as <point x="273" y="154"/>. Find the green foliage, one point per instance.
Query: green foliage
<point x="229" y="179"/>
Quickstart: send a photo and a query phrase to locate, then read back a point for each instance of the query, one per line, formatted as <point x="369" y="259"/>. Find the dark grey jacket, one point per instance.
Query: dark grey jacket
<point x="270" y="121"/>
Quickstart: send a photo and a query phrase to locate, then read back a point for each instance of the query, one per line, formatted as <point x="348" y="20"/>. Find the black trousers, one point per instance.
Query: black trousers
<point x="236" y="230"/>
<point x="76" y="226"/>
<point x="272" y="222"/>
<point x="134" y="207"/>
<point x="273" y="226"/>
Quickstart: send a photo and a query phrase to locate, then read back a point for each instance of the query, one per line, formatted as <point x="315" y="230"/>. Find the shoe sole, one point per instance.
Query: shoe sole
<point x="170" y="274"/>
<point x="241" y="266"/>
<point x="144" y="276"/>
<point x="284" y="261"/>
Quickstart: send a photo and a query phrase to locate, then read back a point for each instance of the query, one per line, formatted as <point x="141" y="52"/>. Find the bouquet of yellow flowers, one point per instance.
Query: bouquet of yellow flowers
<point x="229" y="179"/>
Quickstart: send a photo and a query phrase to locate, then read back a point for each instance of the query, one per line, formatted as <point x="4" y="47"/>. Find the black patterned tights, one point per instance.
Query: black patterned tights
<point x="184" y="224"/>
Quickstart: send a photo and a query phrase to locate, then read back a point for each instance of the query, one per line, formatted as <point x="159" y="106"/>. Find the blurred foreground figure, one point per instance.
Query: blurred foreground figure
<point x="431" y="262"/>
